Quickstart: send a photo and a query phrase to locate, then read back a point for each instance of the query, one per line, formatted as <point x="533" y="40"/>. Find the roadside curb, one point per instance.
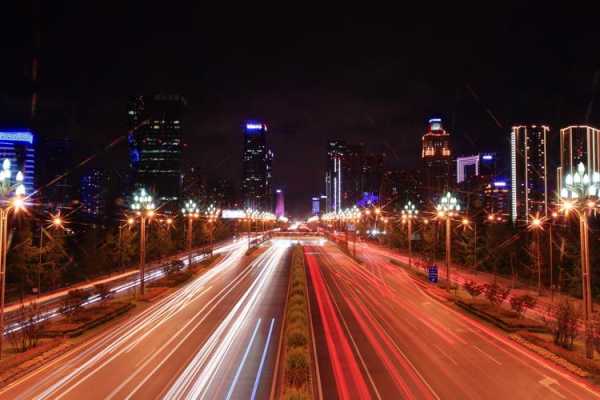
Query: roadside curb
<point x="549" y="356"/>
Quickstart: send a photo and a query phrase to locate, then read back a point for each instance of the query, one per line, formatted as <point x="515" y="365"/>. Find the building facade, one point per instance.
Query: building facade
<point x="19" y="148"/>
<point x="156" y="145"/>
<point x="529" y="178"/>
<point x="477" y="165"/>
<point x="436" y="158"/>
<point x="336" y="150"/>
<point x="257" y="168"/>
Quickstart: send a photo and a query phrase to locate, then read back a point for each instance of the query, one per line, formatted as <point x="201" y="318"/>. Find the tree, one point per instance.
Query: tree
<point x="55" y="258"/>
<point x="473" y="288"/>
<point x="520" y="304"/>
<point x="496" y="294"/>
<point x="563" y="319"/>
<point x="22" y="258"/>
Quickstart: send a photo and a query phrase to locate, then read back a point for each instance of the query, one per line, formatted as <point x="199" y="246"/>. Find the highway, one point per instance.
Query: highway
<point x="380" y="336"/>
<point x="216" y="337"/>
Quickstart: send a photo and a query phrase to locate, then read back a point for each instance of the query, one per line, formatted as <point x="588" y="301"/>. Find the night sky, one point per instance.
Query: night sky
<point x="364" y="75"/>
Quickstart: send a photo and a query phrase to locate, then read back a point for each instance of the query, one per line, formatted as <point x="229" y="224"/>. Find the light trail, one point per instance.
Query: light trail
<point x="194" y="381"/>
<point x="239" y="370"/>
<point x="156" y="274"/>
<point x="115" y="343"/>
<point x="262" y="360"/>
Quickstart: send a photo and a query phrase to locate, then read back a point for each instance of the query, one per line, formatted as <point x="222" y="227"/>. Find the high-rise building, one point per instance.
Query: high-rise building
<point x="529" y="180"/>
<point x="156" y="145"/>
<point x="18" y="147"/>
<point x="496" y="199"/>
<point x="477" y="165"/>
<point x="578" y="144"/>
<point x="316" y="205"/>
<point x="257" y="168"/>
<point x="93" y="195"/>
<point x="336" y="149"/>
<point x="436" y="157"/>
<point x="279" y="203"/>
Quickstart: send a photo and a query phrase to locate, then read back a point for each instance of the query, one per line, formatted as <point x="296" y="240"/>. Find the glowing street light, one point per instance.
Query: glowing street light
<point x="143" y="206"/>
<point x="580" y="195"/>
<point x="536" y="225"/>
<point x="11" y="199"/>
<point x="447" y="208"/>
<point x="409" y="213"/>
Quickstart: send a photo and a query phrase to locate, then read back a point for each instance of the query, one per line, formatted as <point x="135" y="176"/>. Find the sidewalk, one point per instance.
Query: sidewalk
<point x="460" y="274"/>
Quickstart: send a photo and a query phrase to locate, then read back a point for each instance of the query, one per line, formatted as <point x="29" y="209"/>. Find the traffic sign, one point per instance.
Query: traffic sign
<point x="432" y="273"/>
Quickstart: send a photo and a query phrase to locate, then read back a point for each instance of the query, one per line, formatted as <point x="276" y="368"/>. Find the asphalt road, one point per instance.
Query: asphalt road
<point x="379" y="335"/>
<point x="216" y="337"/>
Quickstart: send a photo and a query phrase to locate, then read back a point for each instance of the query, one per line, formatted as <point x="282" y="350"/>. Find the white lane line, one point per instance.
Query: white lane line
<point x="547" y="382"/>
<point x="262" y="360"/>
<point x="487" y="355"/>
<point x="445" y="354"/>
<point x="239" y="370"/>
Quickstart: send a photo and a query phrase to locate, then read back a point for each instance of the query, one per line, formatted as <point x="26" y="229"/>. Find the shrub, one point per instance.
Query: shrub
<point x="73" y="302"/>
<point x="297" y="290"/>
<point x="297" y="338"/>
<point x="496" y="294"/>
<point x="473" y="288"/>
<point x="297" y="367"/>
<point x="520" y="304"/>
<point x="296" y="394"/>
<point x="297" y="317"/>
<point x="297" y="300"/>
<point x="562" y="319"/>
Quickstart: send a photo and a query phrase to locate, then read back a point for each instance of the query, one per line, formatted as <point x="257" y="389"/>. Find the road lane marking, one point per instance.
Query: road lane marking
<point x="239" y="370"/>
<point x="445" y="354"/>
<point x="547" y="382"/>
<point x="487" y="355"/>
<point x="262" y="360"/>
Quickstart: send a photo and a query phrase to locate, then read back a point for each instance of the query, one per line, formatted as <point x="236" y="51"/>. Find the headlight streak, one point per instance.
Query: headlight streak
<point x="194" y="381"/>
<point x="149" y="277"/>
<point x="239" y="370"/>
<point x="145" y="322"/>
<point x="262" y="360"/>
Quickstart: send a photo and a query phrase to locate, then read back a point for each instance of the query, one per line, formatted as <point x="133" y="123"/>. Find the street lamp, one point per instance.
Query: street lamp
<point x="11" y="199"/>
<point x="56" y="221"/>
<point x="190" y="211"/>
<point x="211" y="214"/>
<point x="580" y="195"/>
<point x="143" y="206"/>
<point x="447" y="208"/>
<point x="409" y="213"/>
<point x="536" y="226"/>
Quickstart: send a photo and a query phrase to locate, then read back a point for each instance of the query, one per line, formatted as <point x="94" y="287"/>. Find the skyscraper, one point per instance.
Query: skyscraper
<point x="156" y="145"/>
<point x="336" y="150"/>
<point x="477" y="165"/>
<point x="257" y="168"/>
<point x="529" y="183"/>
<point x="93" y="194"/>
<point x="435" y="155"/>
<point x="279" y="203"/>
<point x="18" y="147"/>
<point x="315" y="205"/>
<point x="578" y="144"/>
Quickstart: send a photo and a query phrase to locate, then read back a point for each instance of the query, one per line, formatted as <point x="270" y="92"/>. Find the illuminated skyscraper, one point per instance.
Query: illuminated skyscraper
<point x="435" y="155"/>
<point x="279" y="203"/>
<point x="93" y="194"/>
<point x="336" y="150"/>
<point x="18" y="147"/>
<point x="578" y="144"/>
<point x="477" y="165"/>
<point x="156" y="145"/>
<point x="316" y="205"/>
<point x="257" y="168"/>
<point x="529" y="181"/>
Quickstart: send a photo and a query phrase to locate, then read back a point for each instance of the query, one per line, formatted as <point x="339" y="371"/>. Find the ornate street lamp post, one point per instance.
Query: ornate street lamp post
<point x="144" y="207"/>
<point x="580" y="195"/>
<point x="447" y="208"/>
<point x="191" y="212"/>
<point x="409" y="213"/>
<point x="12" y="198"/>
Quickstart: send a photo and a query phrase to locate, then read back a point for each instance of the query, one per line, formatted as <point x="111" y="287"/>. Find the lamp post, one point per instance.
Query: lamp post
<point x="143" y="206"/>
<point x="211" y="214"/>
<point x="409" y="213"/>
<point x="191" y="212"/>
<point x="580" y="195"/>
<point x="11" y="199"/>
<point x="56" y="222"/>
<point x="447" y="208"/>
<point x="130" y="221"/>
<point x="536" y="226"/>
